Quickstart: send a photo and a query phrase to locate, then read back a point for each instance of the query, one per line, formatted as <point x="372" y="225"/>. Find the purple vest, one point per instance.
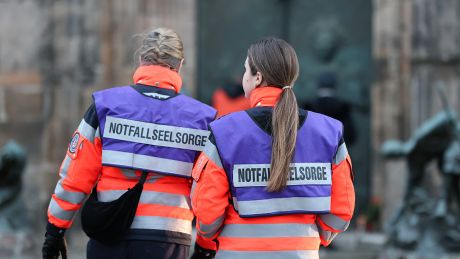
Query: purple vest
<point x="143" y="133"/>
<point x="246" y="160"/>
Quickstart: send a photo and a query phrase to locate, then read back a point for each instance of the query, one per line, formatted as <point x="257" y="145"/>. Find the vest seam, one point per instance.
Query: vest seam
<point x="223" y="167"/>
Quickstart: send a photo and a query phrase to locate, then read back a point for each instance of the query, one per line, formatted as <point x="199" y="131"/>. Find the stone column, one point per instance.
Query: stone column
<point x="390" y="116"/>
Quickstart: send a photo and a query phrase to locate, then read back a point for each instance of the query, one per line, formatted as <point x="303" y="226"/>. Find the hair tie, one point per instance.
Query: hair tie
<point x="287" y="87"/>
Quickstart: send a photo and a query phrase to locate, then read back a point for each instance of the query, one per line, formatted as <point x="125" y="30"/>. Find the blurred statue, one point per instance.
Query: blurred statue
<point x="12" y="164"/>
<point x="424" y="222"/>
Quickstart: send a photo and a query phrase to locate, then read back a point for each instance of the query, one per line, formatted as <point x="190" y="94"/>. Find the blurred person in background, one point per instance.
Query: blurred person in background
<point x="135" y="146"/>
<point x="274" y="181"/>
<point x="229" y="98"/>
<point x="328" y="103"/>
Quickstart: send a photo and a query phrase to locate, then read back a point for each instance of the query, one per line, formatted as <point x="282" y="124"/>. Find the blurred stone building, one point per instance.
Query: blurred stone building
<point x="55" y="53"/>
<point x="416" y="45"/>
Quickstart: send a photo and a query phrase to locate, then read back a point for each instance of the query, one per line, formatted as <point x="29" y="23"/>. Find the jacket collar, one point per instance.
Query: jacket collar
<point x="158" y="76"/>
<point x="265" y="96"/>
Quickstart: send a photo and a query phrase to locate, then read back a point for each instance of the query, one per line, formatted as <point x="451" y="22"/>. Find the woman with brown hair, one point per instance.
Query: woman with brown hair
<point x="133" y="154"/>
<point x="273" y="181"/>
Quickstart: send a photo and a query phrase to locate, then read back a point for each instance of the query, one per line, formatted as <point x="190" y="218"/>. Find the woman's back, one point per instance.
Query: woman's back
<point x="273" y="181"/>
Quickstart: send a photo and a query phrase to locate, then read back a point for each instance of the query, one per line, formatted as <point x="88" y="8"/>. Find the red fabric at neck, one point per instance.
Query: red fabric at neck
<point x="158" y="76"/>
<point x="265" y="96"/>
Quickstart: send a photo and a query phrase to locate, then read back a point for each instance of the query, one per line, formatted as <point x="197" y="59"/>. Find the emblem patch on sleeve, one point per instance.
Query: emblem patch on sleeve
<point x="73" y="146"/>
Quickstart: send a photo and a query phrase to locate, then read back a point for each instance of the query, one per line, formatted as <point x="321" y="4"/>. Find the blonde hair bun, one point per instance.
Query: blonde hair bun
<point x="163" y="47"/>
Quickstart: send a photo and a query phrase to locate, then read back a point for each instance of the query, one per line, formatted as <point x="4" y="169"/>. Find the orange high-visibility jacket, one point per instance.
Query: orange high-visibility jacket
<point x="164" y="212"/>
<point x="225" y="104"/>
<point x="287" y="236"/>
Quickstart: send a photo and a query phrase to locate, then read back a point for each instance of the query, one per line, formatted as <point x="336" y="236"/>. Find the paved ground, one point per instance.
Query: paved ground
<point x="349" y="245"/>
<point x="25" y="246"/>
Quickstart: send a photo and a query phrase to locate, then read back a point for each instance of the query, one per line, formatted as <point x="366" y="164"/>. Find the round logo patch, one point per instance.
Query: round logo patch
<point x="74" y="143"/>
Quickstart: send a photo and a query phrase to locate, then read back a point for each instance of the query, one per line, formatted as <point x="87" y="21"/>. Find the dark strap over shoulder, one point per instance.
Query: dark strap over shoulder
<point x="143" y="177"/>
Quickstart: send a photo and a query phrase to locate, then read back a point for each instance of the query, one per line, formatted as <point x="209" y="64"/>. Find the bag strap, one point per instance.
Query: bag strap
<point x="143" y="177"/>
<point x="141" y="181"/>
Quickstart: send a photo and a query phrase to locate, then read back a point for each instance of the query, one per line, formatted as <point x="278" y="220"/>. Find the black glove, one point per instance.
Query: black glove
<point x="201" y="253"/>
<point x="54" y="244"/>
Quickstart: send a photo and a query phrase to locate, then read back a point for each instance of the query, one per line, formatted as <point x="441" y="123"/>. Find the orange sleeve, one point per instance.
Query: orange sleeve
<point x="342" y="198"/>
<point x="78" y="174"/>
<point x="210" y="198"/>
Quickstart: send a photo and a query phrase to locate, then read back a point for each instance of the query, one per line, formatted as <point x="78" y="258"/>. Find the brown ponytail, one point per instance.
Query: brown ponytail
<point x="277" y="61"/>
<point x="285" y="121"/>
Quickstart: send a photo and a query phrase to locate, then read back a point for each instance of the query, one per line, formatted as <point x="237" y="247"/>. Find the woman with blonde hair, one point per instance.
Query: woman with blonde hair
<point x="274" y="181"/>
<point x="132" y="154"/>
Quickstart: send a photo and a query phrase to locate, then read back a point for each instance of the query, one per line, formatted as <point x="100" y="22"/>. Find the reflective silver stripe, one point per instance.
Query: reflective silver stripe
<point x="341" y="154"/>
<point x="335" y="222"/>
<point x="252" y="175"/>
<point x="270" y="230"/>
<point x="155" y="134"/>
<point x="98" y="133"/>
<point x="326" y="235"/>
<point x="157" y="95"/>
<point x="163" y="223"/>
<point x="150" y="163"/>
<point x="65" y="167"/>
<point x="151" y="178"/>
<point x="86" y="130"/>
<point x="149" y="197"/>
<point x="209" y="230"/>
<point x="72" y="197"/>
<point x="296" y="254"/>
<point x="59" y="212"/>
<point x="235" y="203"/>
<point x="211" y="152"/>
<point x="192" y="191"/>
<point x="131" y="174"/>
<point x="315" y="204"/>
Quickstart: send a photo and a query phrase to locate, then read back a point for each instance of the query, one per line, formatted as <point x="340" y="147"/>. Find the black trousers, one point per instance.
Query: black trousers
<point x="138" y="249"/>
